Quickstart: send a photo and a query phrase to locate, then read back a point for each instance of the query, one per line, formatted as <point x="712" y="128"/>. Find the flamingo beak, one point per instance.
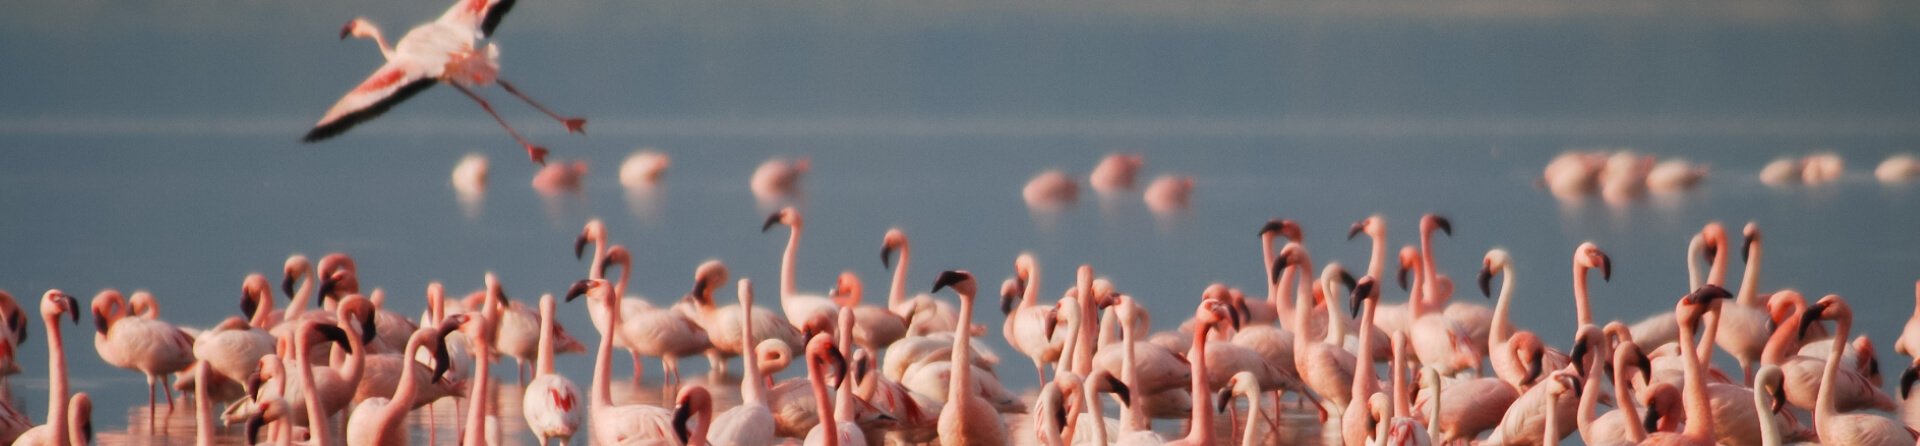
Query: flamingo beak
<point x="1279" y="266"/>
<point x="1907" y="378"/>
<point x="1120" y="388"/>
<point x="949" y="278"/>
<point x="580" y="247"/>
<point x="286" y="285"/>
<point x="1009" y="300"/>
<point x="247" y="304"/>
<point x="681" y="414"/>
<point x="1652" y="419"/>
<point x="1533" y="371"/>
<point x="252" y="386"/>
<point x="367" y="319"/>
<point x="1779" y="404"/>
<point x="345" y="30"/>
<point x="1444" y="224"/>
<point x="333" y="333"/>
<point x="1223" y="399"/>
<point x="1580" y="351"/>
<point x="886" y="256"/>
<point x="1402" y="276"/>
<point x="100" y="322"/>
<point x="326" y="289"/>
<point x="254" y="423"/>
<point x="1606" y="268"/>
<point x="771" y="220"/>
<point x="1486" y="283"/>
<point x="1810" y="316"/>
<point x="580" y="288"/>
<point x="1358" y="227"/>
<point x="73" y="306"/>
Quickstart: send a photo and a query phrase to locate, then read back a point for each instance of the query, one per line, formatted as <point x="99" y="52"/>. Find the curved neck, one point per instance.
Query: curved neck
<point x="1769" y="432"/>
<point x="1031" y="296"/>
<point x="298" y="303"/>
<point x="1202" y="415"/>
<point x="829" y="422"/>
<point x="1303" y="309"/>
<point x="1749" y="295"/>
<point x="786" y="263"/>
<point x="1590" y="400"/>
<point x="897" y="294"/>
<point x="1784" y="343"/>
<point x="356" y="361"/>
<point x="395" y="412"/>
<point x="317" y="414"/>
<point x="57" y="382"/>
<point x="262" y="316"/>
<point x="1249" y="436"/>
<point x="1823" y="406"/>
<point x="1699" y="411"/>
<point x="1501" y="327"/>
<point x="961" y="379"/>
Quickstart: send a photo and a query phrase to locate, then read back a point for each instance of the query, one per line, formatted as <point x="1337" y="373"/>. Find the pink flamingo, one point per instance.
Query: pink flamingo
<point x="480" y="328"/>
<point x="518" y="329"/>
<point x="551" y="401"/>
<point x="1169" y="193"/>
<point x="1210" y="315"/>
<point x="836" y="425"/>
<point x="657" y="332"/>
<point x="1438" y="340"/>
<point x="380" y="421"/>
<point x="1699" y="413"/>
<point x="1324" y="367"/>
<point x="723" y="324"/>
<point x="1504" y="342"/>
<point x="1675" y="175"/>
<point x="1050" y="190"/>
<point x="812" y="313"/>
<point x="1115" y="172"/>
<point x="1573" y="174"/>
<point x="876" y="327"/>
<point x="1744" y="324"/>
<point x="441" y="51"/>
<point x="234" y="347"/>
<point x="1278" y="305"/>
<point x="1355" y="422"/>
<point x="750" y="423"/>
<point x="154" y="348"/>
<point x="778" y="177"/>
<point x="924" y="314"/>
<point x="1029" y="325"/>
<point x="317" y="409"/>
<point x="643" y="168"/>
<point x="1847" y="428"/>
<point x="1805" y="375"/>
<point x="967" y="419"/>
<point x="560" y="178"/>
<point x="1547" y="404"/>
<point x="1621" y="426"/>
<point x="55" y="432"/>
<point x="612" y="424"/>
<point x="1909" y="341"/>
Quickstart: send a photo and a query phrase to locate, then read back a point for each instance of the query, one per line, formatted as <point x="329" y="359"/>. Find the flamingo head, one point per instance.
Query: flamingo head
<point x="774" y="356"/>
<point x="1751" y="234"/>
<point x="1832" y="307"/>
<point x="1661" y="400"/>
<point x="1281" y="227"/>
<point x="108" y="307"/>
<point x="1010" y="291"/>
<point x="616" y="254"/>
<point x="895" y="240"/>
<point x="1589" y="256"/>
<point x="960" y="280"/>
<point x="297" y="266"/>
<point x="1367" y="288"/>
<point x="846" y="290"/>
<point x="1373" y="226"/>
<point x="694" y="400"/>
<point x="1696" y="304"/>
<point x="1496" y="261"/>
<point x="1409" y="262"/>
<point x="785" y="216"/>
<point x="1907" y="378"/>
<point x="1430" y="222"/>
<point x="1626" y="355"/>
<point x="595" y="231"/>
<point x="1715" y="236"/>
<point x="596" y="287"/>
<point x="358" y="27"/>
<point x="55" y="303"/>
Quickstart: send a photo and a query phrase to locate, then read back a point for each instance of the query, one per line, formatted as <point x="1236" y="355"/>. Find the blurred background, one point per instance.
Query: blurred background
<point x="154" y="145"/>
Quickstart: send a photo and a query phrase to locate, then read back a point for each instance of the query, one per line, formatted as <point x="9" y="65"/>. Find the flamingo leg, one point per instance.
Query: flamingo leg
<point x="537" y="153"/>
<point x="167" y="387"/>
<point x="717" y="365"/>
<point x="636" y="366"/>
<point x="574" y="125"/>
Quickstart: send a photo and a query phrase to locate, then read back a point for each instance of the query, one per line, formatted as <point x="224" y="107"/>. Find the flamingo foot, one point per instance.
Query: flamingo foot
<point x="537" y="153"/>
<point x="575" y="125"/>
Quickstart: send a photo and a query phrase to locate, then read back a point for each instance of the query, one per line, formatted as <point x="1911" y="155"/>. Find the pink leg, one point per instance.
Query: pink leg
<point x="574" y="125"/>
<point x="537" y="153"/>
<point x="636" y="367"/>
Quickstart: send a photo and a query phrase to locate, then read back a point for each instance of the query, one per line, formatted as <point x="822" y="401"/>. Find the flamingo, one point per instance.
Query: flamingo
<point x="967" y="419"/>
<point x="1354" y="424"/>
<point x="1573" y="173"/>
<point x="1744" y="323"/>
<point x="1029" y="325"/>
<point x="1169" y="193"/>
<point x="643" y="168"/>
<point x="1324" y="367"/>
<point x="1700" y="417"/>
<point x="1769" y="397"/>
<point x="810" y="312"/>
<point x="1624" y="176"/>
<point x="1898" y="168"/>
<point x="1050" y="190"/>
<point x="1847" y="428"/>
<point x="657" y="332"/>
<point x="596" y="232"/>
<point x="1909" y="341"/>
<point x="152" y="347"/>
<point x="751" y="423"/>
<point x="441" y="51"/>
<point x="1438" y="340"/>
<point x="876" y="327"/>
<point x="559" y="178"/>
<point x="1115" y="172"/>
<point x="612" y="424"/>
<point x="1805" y="375"/>
<point x="1675" y="175"/>
<point x="924" y="314"/>
<point x="1277" y="306"/>
<point x="53" y="304"/>
<point x="1504" y="342"/>
<point x="317" y="409"/>
<point x="518" y="329"/>
<point x="480" y="328"/>
<point x="1621" y="426"/>
<point x="1547" y="404"/>
<point x="235" y="346"/>
<point x="778" y="177"/>
<point x="381" y="421"/>
<point x="723" y="324"/>
<point x="550" y="404"/>
<point x="836" y="424"/>
<point x="1210" y="315"/>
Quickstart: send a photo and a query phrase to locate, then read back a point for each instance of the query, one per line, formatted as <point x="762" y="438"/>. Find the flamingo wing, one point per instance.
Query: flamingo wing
<point x="482" y="15"/>
<point x="394" y="82"/>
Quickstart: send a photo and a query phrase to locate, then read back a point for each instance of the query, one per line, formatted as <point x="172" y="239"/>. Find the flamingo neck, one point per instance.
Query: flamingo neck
<point x="1590" y="401"/>
<point x="1134" y="418"/>
<point x="1280" y="293"/>
<point x="1336" y="322"/>
<point x="786" y="263"/>
<point x="1095" y="411"/>
<point x="1248" y="435"/>
<point x="1623" y="391"/>
<point x="1693" y="269"/>
<point x="1717" y="274"/>
<point x="1783" y="344"/>
<point x="1364" y="380"/>
<point x="1823" y="406"/>
<point x="1501" y="327"/>
<point x="599" y="259"/>
<point x="1582" y="315"/>
<point x="961" y="380"/>
<point x="476" y="433"/>
<point x="752" y="384"/>
<point x="1552" y="433"/>
<point x="316" y="414"/>
<point x="1749" y="295"/>
<point x="1084" y="336"/>
<point x="298" y="303"/>
<point x="1769" y="432"/>
<point x="202" y="407"/>
<point x="1202" y="415"/>
<point x="57" y="378"/>
<point x="356" y="361"/>
<point x="603" y="359"/>
<point x="1377" y="265"/>
<point x="261" y="316"/>
<point x="1031" y="296"/>
<point x="1302" y="314"/>
<point x="1705" y="348"/>
<point x="1266" y="275"/>
<point x="1417" y="294"/>
<point x="544" y="362"/>
<point x="1429" y="270"/>
<point x="1401" y="393"/>
<point x="897" y="293"/>
<point x="829" y="420"/>
<point x="1699" y="411"/>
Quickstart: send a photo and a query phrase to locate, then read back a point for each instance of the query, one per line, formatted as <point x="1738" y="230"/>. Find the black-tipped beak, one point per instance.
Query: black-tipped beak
<point x="1120" y="388"/>
<point x="1274" y="226"/>
<point x="1707" y="293"/>
<point x="286" y="285"/>
<point x="1402" y="278"/>
<point x="580" y="247"/>
<point x="73" y="307"/>
<point x="886" y="257"/>
<point x="1533" y="371"/>
<point x="252" y="385"/>
<point x="581" y="287"/>
<point x="839" y="364"/>
<point x="254" y="423"/>
<point x="1652" y="420"/>
<point x="441" y="360"/>
<point x="1907" y="378"/>
<point x="1239" y="312"/>
<point x="1007" y="303"/>
<point x="1809" y="317"/>
<point x="1279" y="266"/>
<point x="370" y="328"/>
<point x="100" y="322"/>
<point x="1606" y="268"/>
<point x="345" y="30"/>
<point x="326" y="289"/>
<point x="771" y="220"/>
<point x="1486" y="283"/>
<point x="1360" y="294"/>
<point x="1779" y="403"/>
<point x="1746" y="249"/>
<point x="949" y="278"/>
<point x="247" y="304"/>
<point x="1222" y="399"/>
<point x="681" y="414"/>
<point x="1579" y="354"/>
<point x="1358" y="227"/>
<point x="1444" y="224"/>
<point x="1646" y="366"/>
<point x="335" y="335"/>
<point x="1347" y="279"/>
<point x="1051" y="323"/>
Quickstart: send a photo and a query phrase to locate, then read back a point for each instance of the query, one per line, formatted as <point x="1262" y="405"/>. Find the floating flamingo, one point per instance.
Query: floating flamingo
<point x="441" y="51"/>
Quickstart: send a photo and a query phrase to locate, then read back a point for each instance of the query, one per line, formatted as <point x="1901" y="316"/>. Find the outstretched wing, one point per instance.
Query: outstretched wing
<point x="483" y="15"/>
<point x="394" y="82"/>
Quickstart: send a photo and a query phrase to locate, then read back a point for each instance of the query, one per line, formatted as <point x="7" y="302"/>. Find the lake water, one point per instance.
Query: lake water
<point x="153" y="147"/>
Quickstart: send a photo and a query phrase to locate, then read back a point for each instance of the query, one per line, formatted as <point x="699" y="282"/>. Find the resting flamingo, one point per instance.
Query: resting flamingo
<point x="1115" y="172"/>
<point x="751" y="422"/>
<point x="441" y="51"/>
<point x="152" y="347"/>
<point x="55" y="432"/>
<point x="551" y="401"/>
<point x="967" y="419"/>
<point x="1847" y="428"/>
<point x="778" y="177"/>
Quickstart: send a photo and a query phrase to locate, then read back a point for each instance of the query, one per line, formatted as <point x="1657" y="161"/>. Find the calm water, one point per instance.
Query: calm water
<point x="156" y="148"/>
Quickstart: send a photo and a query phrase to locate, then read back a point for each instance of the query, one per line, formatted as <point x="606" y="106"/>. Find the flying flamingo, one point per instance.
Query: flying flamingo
<point x="1029" y="325"/>
<point x="967" y="419"/>
<point x="1847" y="428"/>
<point x="1700" y="420"/>
<point x="439" y="51"/>
<point x="550" y="404"/>
<point x="55" y="432"/>
<point x="154" y="348"/>
<point x="382" y="422"/>
<point x="750" y="423"/>
<point x="810" y="312"/>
